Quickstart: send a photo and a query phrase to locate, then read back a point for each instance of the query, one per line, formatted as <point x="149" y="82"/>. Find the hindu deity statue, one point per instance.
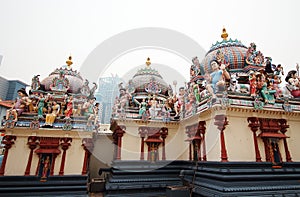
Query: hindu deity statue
<point x="35" y="82"/>
<point x="20" y="105"/>
<point x="215" y="79"/>
<point x="60" y="83"/>
<point x="153" y="87"/>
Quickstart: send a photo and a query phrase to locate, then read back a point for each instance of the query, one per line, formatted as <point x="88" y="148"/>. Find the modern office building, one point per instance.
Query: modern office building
<point x="107" y="92"/>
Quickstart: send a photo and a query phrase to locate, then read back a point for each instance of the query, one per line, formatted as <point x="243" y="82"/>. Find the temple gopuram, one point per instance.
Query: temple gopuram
<point x="231" y="130"/>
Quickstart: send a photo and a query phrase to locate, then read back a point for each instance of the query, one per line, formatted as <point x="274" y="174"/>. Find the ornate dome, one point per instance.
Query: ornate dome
<point x="231" y="52"/>
<point x="148" y="80"/>
<point x="73" y="78"/>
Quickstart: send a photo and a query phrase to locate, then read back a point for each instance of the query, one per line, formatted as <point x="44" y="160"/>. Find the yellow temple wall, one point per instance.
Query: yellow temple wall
<point x="19" y="152"/>
<point x="17" y="157"/>
<point x="293" y="142"/>
<point x="239" y="137"/>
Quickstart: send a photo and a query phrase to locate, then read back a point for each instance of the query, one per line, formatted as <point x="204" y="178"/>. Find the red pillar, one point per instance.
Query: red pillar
<point x="88" y="146"/>
<point x="283" y="129"/>
<point x="149" y="151"/>
<point x="254" y="125"/>
<point x="8" y="141"/>
<point x="202" y="129"/>
<point x="120" y="132"/>
<point x="221" y="122"/>
<point x="142" y="132"/>
<point x="54" y="155"/>
<point x="65" y="143"/>
<point x="32" y="144"/>
<point x="163" y="134"/>
<point x="117" y="135"/>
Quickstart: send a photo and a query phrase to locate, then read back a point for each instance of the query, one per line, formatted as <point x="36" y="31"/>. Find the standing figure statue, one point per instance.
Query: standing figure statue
<point x="253" y="83"/>
<point x="35" y="82"/>
<point x="68" y="112"/>
<point x="41" y="105"/>
<point x="143" y="108"/>
<point x="46" y="168"/>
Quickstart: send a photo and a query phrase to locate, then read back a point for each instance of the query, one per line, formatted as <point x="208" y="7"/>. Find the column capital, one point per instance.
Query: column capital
<point x="65" y="142"/>
<point x="253" y="123"/>
<point x="283" y="125"/>
<point x="33" y="141"/>
<point x="221" y="121"/>
<point x="8" y="141"/>
<point x="164" y="132"/>
<point x="201" y="127"/>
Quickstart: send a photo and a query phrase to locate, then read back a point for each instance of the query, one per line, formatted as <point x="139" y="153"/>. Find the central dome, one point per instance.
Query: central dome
<point x="233" y="53"/>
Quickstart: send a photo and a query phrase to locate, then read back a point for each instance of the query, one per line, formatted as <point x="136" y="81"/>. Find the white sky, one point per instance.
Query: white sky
<point x="37" y="36"/>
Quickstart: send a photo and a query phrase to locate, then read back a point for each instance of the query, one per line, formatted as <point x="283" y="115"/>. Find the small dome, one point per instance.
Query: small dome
<point x="149" y="80"/>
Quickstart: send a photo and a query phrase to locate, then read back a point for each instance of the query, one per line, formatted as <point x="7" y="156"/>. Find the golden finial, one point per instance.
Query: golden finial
<point x="148" y="62"/>
<point x="69" y="61"/>
<point x="224" y="35"/>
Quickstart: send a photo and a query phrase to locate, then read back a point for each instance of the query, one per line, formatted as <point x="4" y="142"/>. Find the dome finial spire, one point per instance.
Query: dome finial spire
<point x="69" y="62"/>
<point x="224" y="35"/>
<point x="148" y="62"/>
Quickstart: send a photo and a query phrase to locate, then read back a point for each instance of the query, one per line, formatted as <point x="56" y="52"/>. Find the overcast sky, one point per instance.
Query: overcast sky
<point x="37" y="36"/>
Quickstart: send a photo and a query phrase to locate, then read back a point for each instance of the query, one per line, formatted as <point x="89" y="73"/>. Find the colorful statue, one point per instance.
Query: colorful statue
<point x="198" y="70"/>
<point x="254" y="57"/>
<point x="153" y="107"/>
<point x="143" y="107"/>
<point x="60" y="83"/>
<point x="267" y="92"/>
<point x="88" y="107"/>
<point x="253" y="84"/>
<point x="196" y="91"/>
<point x="35" y="82"/>
<point x="68" y="112"/>
<point x="215" y="79"/>
<point x="293" y="83"/>
<point x="222" y="58"/>
<point x="41" y="105"/>
<point x="50" y="117"/>
<point x="20" y="105"/>
<point x="179" y="101"/>
<point x="46" y="168"/>
<point x="10" y="120"/>
<point x="293" y="79"/>
<point x="153" y="87"/>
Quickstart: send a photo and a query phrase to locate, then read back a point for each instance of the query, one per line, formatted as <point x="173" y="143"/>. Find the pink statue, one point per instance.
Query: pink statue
<point x="20" y="105"/>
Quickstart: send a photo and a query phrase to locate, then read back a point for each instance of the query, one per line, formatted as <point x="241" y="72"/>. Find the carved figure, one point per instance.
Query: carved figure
<point x="20" y="105"/>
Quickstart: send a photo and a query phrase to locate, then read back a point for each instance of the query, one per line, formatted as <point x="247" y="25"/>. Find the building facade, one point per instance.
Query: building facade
<point x="234" y="127"/>
<point x="106" y="94"/>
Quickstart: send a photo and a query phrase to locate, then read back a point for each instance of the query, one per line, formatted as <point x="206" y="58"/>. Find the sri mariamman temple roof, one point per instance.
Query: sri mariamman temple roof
<point x="157" y="132"/>
<point x="253" y="81"/>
